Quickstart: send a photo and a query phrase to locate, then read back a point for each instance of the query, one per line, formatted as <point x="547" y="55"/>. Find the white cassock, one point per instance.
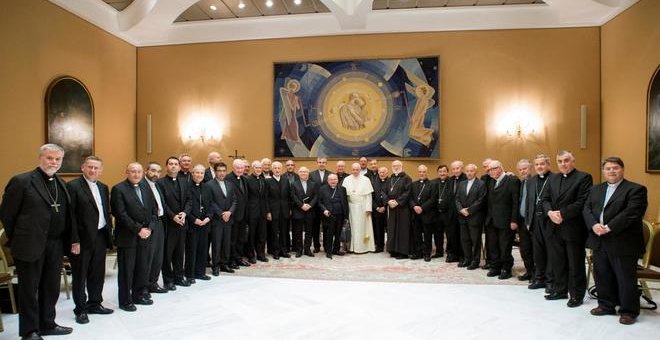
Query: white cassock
<point x="359" y="191"/>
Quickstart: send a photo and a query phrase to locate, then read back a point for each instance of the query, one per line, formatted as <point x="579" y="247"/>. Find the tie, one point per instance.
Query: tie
<point x="523" y="198"/>
<point x="138" y="192"/>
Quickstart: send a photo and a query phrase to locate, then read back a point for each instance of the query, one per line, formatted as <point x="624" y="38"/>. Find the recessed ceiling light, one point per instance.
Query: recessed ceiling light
<point x="213" y="8"/>
<point x="269" y="3"/>
<point x="241" y="5"/>
<point x="297" y="2"/>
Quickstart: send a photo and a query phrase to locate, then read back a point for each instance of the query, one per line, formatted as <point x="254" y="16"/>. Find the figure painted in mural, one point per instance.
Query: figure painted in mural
<point x="353" y="114"/>
<point x="417" y="130"/>
<point x="290" y="106"/>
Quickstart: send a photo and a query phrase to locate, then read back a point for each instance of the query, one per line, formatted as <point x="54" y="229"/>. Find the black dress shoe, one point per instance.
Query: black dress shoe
<point x="309" y="253"/>
<point x="191" y="281"/>
<point x="504" y="274"/>
<point x="157" y="289"/>
<point x="378" y="250"/>
<point x="328" y="255"/>
<point x="462" y="264"/>
<point x="438" y="255"/>
<point x="128" y="308"/>
<point x="299" y="254"/>
<point x="525" y="277"/>
<point x="82" y="318"/>
<point x="32" y="336"/>
<point x="401" y="257"/>
<point x="203" y="277"/>
<point x="234" y="266"/>
<point x="143" y="301"/>
<point x="473" y="266"/>
<point x="486" y="266"/>
<point x="556" y="296"/>
<point x="170" y="286"/>
<point x="416" y="257"/>
<point x="252" y="260"/>
<point x="285" y="255"/>
<point x="275" y="257"/>
<point x="536" y="285"/>
<point x="427" y="258"/>
<point x="317" y="249"/>
<point x="216" y="271"/>
<point x="57" y="330"/>
<point x="262" y="259"/>
<point x="243" y="263"/>
<point x="98" y="309"/>
<point x="341" y="253"/>
<point x="451" y="258"/>
<point x="226" y="269"/>
<point x="182" y="283"/>
<point x="493" y="272"/>
<point x="574" y="302"/>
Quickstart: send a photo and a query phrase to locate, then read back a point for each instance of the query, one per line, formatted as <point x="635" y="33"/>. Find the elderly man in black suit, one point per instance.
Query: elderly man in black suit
<point x="333" y="203"/>
<point x="135" y="210"/>
<point x="257" y="209"/>
<point x="524" y="233"/>
<point x="239" y="229"/>
<point x="90" y="199"/>
<point x="563" y="202"/>
<point x="537" y="222"/>
<point x="213" y="159"/>
<point x="320" y="176"/>
<point x="38" y="218"/>
<point x="304" y="195"/>
<point x="199" y="221"/>
<point x="223" y="205"/>
<point x="279" y="211"/>
<point x="501" y="219"/>
<point x="177" y="208"/>
<point x="470" y="203"/>
<point x="157" y="238"/>
<point x="423" y="203"/>
<point x="613" y="213"/>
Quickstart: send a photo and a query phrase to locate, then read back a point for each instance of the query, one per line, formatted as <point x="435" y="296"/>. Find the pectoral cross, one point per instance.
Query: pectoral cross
<point x="56" y="206"/>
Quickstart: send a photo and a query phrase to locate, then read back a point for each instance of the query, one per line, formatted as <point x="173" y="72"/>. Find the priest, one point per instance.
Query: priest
<point x="398" y="224"/>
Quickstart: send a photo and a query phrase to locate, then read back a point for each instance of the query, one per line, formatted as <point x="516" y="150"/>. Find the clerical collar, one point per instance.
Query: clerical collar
<point x="276" y="177"/>
<point x="544" y="175"/>
<point x="568" y="174"/>
<point x="45" y="175"/>
<point x="172" y="178"/>
<point x="197" y="184"/>
<point x="422" y="180"/>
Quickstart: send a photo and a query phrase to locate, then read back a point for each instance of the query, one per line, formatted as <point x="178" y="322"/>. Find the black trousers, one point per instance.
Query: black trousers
<point x="439" y="236"/>
<point x="569" y="274"/>
<point x="269" y="237"/>
<point x="471" y="240"/>
<point x="301" y="225"/>
<point x="239" y="237"/>
<point x="526" y="246"/>
<point x="39" y="289"/>
<point x="500" y="247"/>
<point x="316" y="229"/>
<point x="453" y="232"/>
<point x="417" y="241"/>
<point x="88" y="272"/>
<point x="540" y="233"/>
<point x="279" y="234"/>
<point x="221" y="234"/>
<point x="156" y="251"/>
<point x="133" y="271"/>
<point x="332" y="232"/>
<point x="257" y="237"/>
<point x="196" y="250"/>
<point x="379" y="222"/>
<point x="430" y="233"/>
<point x="175" y="245"/>
<point x="616" y="281"/>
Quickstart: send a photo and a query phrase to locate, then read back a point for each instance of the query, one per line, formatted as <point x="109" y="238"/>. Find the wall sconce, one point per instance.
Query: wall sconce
<point x="518" y="123"/>
<point x="201" y="128"/>
<point x="520" y="130"/>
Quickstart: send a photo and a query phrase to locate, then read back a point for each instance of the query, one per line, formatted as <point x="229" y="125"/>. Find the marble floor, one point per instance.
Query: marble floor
<point x="236" y="307"/>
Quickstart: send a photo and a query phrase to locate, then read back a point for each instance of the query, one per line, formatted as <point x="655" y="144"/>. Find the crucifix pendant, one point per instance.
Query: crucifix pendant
<point x="56" y="206"/>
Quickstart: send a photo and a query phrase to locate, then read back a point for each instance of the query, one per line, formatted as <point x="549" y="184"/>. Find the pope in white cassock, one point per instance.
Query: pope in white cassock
<point x="359" y="189"/>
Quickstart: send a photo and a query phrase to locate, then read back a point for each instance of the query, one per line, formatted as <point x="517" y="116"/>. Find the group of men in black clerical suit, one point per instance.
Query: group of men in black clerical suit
<point x="194" y="216"/>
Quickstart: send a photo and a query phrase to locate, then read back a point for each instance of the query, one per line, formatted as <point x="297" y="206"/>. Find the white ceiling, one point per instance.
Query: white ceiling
<point x="152" y="22"/>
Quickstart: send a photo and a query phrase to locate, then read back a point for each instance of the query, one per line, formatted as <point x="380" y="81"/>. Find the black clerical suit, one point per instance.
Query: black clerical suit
<point x="316" y="224"/>
<point x="537" y="222"/>
<point x="177" y="200"/>
<point x="453" y="231"/>
<point x="399" y="231"/>
<point x="221" y="230"/>
<point x="503" y="209"/>
<point x="615" y="253"/>
<point x="279" y="196"/>
<point x="303" y="220"/>
<point x="524" y="233"/>
<point x="209" y="174"/>
<point x="335" y="201"/>
<point x="197" y="239"/>
<point x="474" y="201"/>
<point x="257" y="210"/>
<point x="424" y="194"/>
<point x="379" y="219"/>
<point x="487" y="181"/>
<point x="290" y="177"/>
<point x="94" y="225"/>
<point x="132" y="213"/>
<point x="239" y="229"/>
<point x="568" y="193"/>
<point x="157" y="237"/>
<point x="445" y="207"/>
<point x="40" y="227"/>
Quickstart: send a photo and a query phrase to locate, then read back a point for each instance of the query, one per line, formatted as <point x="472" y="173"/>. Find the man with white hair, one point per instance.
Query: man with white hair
<point x="265" y="167"/>
<point x="239" y="229"/>
<point x="341" y="171"/>
<point x="257" y="209"/>
<point x="470" y="203"/>
<point x="38" y="218"/>
<point x="279" y="211"/>
<point x="213" y="159"/>
<point x="399" y="231"/>
<point x="304" y="194"/>
<point x="359" y="189"/>
<point x="379" y="208"/>
<point x="454" y="249"/>
<point x="423" y="203"/>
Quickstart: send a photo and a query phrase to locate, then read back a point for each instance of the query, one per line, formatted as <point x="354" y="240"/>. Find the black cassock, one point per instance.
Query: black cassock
<point x="399" y="231"/>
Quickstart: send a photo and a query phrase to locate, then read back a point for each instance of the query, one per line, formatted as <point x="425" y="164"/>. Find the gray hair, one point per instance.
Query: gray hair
<point x="50" y="147"/>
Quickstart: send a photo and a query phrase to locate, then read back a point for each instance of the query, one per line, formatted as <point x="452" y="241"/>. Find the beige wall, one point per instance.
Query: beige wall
<point x="630" y="54"/>
<point x="40" y="42"/>
<point x="552" y="71"/>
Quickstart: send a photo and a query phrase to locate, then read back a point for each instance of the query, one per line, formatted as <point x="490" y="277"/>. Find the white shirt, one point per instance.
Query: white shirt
<point x="94" y="187"/>
<point x="152" y="185"/>
<point x="469" y="185"/>
<point x="222" y="187"/>
<point x="611" y="188"/>
<point x="212" y="172"/>
<point x="363" y="171"/>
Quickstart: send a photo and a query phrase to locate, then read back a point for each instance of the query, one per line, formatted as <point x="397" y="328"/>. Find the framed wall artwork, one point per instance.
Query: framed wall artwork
<point x="372" y="108"/>
<point x="653" y="124"/>
<point x="70" y="121"/>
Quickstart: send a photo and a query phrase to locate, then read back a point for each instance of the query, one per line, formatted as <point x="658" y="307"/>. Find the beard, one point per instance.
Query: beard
<point x="50" y="171"/>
